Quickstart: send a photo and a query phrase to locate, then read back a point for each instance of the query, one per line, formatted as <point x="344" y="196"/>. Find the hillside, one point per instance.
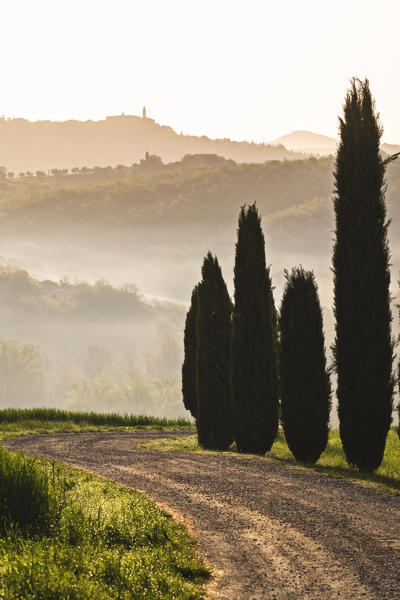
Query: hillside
<point x="153" y="227"/>
<point x="66" y="318"/>
<point x="64" y="343"/>
<point x="43" y="145"/>
<point x="188" y="195"/>
<point x="391" y="148"/>
<point x="309" y="142"/>
<point x="314" y="143"/>
<point x="187" y="192"/>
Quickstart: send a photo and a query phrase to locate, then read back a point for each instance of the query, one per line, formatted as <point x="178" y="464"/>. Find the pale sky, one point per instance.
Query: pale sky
<point x="244" y="69"/>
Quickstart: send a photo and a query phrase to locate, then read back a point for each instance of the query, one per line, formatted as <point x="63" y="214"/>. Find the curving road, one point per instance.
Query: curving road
<point x="268" y="531"/>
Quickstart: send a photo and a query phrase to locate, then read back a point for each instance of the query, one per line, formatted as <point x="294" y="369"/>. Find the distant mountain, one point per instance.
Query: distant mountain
<point x="390" y="148"/>
<point x="308" y="142"/>
<point x="314" y="143"/>
<point x="124" y="139"/>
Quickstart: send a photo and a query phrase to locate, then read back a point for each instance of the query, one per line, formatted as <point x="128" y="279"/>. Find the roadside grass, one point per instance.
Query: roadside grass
<point x="332" y="462"/>
<point x="49" y="415"/>
<point x="14" y="421"/>
<point x="69" y="534"/>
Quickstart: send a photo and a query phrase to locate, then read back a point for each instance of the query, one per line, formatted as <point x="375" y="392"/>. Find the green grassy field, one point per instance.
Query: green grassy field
<point x="15" y="422"/>
<point x="332" y="462"/>
<point x="54" y="415"/>
<point x="65" y="534"/>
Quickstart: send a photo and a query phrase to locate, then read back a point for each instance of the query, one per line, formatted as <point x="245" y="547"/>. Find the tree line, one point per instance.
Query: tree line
<point x="246" y="367"/>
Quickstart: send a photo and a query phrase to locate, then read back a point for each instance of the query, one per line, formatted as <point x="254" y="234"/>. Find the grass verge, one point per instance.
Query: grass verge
<point x="332" y="462"/>
<point x="51" y="415"/>
<point x="85" y="538"/>
<point x="15" y="422"/>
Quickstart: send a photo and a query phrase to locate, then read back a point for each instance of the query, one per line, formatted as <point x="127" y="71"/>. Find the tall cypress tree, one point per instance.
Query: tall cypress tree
<point x="214" y="411"/>
<point x="254" y="340"/>
<point x="305" y="385"/>
<point x="363" y="344"/>
<point x="189" y="391"/>
<point x="398" y="406"/>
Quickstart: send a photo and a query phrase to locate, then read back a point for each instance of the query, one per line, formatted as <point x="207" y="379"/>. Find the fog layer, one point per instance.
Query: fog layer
<point x="108" y="346"/>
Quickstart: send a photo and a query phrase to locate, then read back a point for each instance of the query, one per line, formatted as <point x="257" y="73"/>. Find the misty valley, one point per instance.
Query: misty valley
<point x="92" y="347"/>
<point x="200" y="300"/>
<point x="98" y="265"/>
<point x="214" y="333"/>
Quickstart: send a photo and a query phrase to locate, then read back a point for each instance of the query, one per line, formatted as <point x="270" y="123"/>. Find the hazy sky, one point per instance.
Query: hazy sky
<point x="248" y="69"/>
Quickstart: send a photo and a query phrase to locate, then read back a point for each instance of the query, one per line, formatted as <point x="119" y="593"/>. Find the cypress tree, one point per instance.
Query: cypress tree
<point x="305" y="385"/>
<point x="398" y="406"/>
<point x="189" y="391"/>
<point x="363" y="345"/>
<point x="254" y="340"/>
<point x="214" y="412"/>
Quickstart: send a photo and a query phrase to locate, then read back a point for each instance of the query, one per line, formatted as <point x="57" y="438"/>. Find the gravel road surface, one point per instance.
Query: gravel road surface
<point x="267" y="531"/>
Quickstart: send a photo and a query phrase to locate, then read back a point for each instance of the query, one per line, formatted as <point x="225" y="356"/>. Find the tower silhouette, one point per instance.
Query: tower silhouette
<point x="144" y="112"/>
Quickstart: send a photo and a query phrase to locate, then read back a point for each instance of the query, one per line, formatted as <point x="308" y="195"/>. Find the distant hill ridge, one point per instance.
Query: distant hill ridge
<point x="122" y="139"/>
<point x="315" y="143"/>
<point x="125" y="139"/>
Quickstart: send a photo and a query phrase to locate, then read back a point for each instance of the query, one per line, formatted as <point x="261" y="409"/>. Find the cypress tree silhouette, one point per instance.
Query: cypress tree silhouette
<point x="214" y="411"/>
<point x="305" y="385"/>
<point x="363" y="345"/>
<point x="189" y="390"/>
<point x="254" y="341"/>
<point x="398" y="406"/>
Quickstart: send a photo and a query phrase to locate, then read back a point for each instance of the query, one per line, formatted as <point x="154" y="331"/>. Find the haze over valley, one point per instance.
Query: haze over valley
<point x="125" y="157"/>
<point x="99" y="264"/>
<point x="199" y="300"/>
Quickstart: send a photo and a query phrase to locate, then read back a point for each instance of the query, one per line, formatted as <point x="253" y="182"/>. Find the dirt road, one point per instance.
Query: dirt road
<point x="267" y="530"/>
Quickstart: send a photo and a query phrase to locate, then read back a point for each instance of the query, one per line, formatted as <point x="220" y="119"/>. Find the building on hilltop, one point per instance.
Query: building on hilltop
<point x="151" y="162"/>
<point x="144" y="112"/>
